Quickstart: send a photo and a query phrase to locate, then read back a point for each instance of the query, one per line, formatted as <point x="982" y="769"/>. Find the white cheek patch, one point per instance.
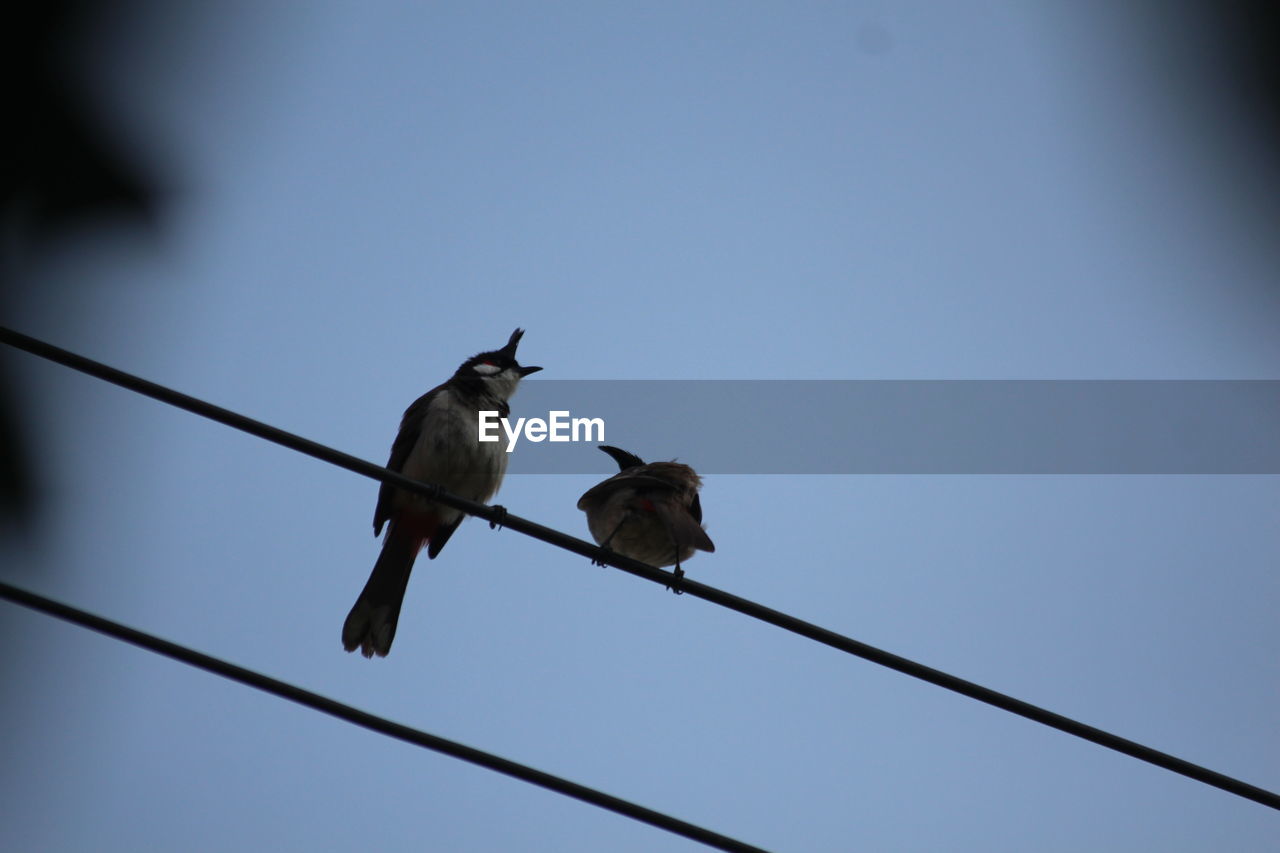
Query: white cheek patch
<point x="487" y="369"/>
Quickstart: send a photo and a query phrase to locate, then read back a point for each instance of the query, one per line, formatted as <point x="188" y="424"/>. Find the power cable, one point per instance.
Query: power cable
<point x="498" y="516"/>
<point x="369" y="721"/>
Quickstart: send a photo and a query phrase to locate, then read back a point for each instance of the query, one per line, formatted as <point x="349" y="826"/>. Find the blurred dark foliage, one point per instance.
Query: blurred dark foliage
<point x="61" y="171"/>
<point x="1247" y="36"/>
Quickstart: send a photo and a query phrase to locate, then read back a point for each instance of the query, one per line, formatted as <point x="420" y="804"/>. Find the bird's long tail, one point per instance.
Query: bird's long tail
<point x="371" y="624"/>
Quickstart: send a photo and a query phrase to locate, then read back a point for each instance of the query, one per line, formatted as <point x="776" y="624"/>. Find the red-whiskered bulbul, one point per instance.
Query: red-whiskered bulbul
<point x="438" y="443"/>
<point x="649" y="512"/>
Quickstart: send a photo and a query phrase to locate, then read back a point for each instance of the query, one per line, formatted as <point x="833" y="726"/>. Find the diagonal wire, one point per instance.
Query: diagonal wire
<point x="372" y="722"/>
<point x="498" y="516"/>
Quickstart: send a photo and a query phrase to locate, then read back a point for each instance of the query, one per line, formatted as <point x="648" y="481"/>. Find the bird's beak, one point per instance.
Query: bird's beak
<point x="525" y="371"/>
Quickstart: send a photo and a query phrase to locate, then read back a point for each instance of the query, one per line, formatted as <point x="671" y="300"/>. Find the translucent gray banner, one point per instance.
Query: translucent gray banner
<point x="908" y="427"/>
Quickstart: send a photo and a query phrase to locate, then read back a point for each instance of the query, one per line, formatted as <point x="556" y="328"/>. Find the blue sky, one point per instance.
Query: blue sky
<point x="364" y="196"/>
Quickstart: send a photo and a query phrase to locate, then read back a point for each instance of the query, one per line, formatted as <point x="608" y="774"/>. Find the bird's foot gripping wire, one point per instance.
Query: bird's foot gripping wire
<point x="679" y="576"/>
<point x="497" y="522"/>
<point x="601" y="561"/>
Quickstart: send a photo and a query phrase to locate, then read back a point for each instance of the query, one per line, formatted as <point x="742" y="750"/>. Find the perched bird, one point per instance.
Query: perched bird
<point x="438" y="443"/>
<point x="649" y="512"/>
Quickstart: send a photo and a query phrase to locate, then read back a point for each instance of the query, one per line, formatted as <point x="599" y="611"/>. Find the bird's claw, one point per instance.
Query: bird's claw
<point x="497" y="523"/>
<point x="675" y="585"/>
<point x="601" y="560"/>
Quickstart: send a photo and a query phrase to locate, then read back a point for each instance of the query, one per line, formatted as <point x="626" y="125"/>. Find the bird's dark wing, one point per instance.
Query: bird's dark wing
<point x="601" y="491"/>
<point x="410" y="429"/>
<point x="695" y="508"/>
<point x="442" y="536"/>
<point x="684" y="530"/>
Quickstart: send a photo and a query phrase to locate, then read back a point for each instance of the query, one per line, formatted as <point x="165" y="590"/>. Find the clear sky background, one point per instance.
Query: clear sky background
<point x="366" y="194"/>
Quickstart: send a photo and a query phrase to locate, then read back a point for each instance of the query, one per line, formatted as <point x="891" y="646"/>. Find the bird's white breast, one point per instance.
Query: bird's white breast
<point x="449" y="451"/>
